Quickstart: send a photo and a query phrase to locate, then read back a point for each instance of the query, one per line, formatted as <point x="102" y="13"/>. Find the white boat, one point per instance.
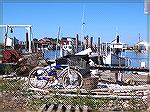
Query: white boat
<point x="113" y="56"/>
<point x="114" y="60"/>
<point x="66" y="47"/>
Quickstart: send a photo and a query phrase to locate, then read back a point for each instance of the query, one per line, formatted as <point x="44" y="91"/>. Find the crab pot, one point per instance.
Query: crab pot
<point x="90" y="83"/>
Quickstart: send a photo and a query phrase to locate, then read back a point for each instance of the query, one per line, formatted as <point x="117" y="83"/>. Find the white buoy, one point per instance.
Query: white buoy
<point x="143" y="64"/>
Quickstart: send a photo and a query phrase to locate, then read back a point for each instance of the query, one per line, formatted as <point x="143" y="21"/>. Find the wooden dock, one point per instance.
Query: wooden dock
<point x="120" y="68"/>
<point x="63" y="108"/>
<point x="112" y="92"/>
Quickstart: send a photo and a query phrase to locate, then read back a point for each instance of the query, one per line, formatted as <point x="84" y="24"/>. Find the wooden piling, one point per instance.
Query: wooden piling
<point x="27" y="42"/>
<point x="91" y="42"/>
<point x="98" y="46"/>
<point x="87" y="39"/>
<point x="77" y="43"/>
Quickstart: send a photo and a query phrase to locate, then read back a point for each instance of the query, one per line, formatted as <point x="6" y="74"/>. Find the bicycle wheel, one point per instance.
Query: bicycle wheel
<point x="38" y="78"/>
<point x="72" y="79"/>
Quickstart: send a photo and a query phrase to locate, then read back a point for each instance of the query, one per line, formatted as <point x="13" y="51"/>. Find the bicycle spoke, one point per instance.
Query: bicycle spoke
<point x="72" y="79"/>
<point x="38" y="78"/>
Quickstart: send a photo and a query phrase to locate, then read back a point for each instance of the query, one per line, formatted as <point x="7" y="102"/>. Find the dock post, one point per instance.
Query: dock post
<point x="98" y="48"/>
<point x="27" y="42"/>
<point x="87" y="39"/>
<point x="116" y="77"/>
<point x="77" y="43"/>
<point x="91" y="43"/>
<point x="29" y="39"/>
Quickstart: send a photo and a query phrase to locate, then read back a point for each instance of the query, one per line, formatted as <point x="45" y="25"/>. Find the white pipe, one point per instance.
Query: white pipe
<point x="28" y="27"/>
<point x="16" y="25"/>
<point x="29" y="37"/>
<point x="6" y="32"/>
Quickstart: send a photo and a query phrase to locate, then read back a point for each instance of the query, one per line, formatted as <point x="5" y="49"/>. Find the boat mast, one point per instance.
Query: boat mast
<point x="139" y="37"/>
<point x="117" y="31"/>
<point x="57" y="42"/>
<point x="82" y="26"/>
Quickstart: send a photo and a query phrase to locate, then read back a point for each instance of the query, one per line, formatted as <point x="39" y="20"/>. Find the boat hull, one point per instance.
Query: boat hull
<point x="115" y="60"/>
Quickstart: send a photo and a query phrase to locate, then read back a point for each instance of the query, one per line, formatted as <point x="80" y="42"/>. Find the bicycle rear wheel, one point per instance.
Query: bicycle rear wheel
<point x="72" y="79"/>
<point x="38" y="78"/>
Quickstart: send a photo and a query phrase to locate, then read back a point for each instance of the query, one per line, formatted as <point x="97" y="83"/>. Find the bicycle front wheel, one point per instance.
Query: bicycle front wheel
<point x="38" y="78"/>
<point x="72" y="79"/>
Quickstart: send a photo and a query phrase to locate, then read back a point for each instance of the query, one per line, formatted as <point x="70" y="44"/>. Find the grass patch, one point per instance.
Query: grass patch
<point x="17" y="88"/>
<point x="10" y="85"/>
<point x="6" y="69"/>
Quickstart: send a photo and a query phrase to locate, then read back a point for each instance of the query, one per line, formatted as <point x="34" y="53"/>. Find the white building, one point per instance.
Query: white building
<point x="142" y="45"/>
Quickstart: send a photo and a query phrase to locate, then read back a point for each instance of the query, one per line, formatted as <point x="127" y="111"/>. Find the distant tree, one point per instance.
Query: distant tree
<point x="1" y="45"/>
<point x="35" y="39"/>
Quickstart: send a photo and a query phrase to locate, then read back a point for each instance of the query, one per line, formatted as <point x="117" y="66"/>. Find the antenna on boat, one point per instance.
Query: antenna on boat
<point x="57" y="42"/>
<point x="139" y="37"/>
<point x="83" y="23"/>
<point x="117" y="31"/>
<point x="117" y="35"/>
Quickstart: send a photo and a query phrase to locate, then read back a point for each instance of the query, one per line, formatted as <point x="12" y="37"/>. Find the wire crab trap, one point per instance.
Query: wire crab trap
<point x="76" y="62"/>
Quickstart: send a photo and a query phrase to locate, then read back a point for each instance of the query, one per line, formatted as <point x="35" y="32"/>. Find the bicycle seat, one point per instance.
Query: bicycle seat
<point x="49" y="62"/>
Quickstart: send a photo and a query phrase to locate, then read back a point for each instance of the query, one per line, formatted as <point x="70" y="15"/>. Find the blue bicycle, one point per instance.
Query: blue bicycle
<point x="50" y="75"/>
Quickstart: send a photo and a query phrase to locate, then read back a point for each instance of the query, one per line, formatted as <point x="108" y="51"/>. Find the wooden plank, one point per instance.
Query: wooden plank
<point x="85" y="108"/>
<point x="59" y="109"/>
<point x="68" y="108"/>
<point x="102" y="96"/>
<point x="42" y="108"/>
<point x="120" y="68"/>
<point x="50" y="108"/>
<point x="77" y="109"/>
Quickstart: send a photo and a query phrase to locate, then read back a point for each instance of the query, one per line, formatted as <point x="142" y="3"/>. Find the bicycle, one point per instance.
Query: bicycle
<point x="39" y="77"/>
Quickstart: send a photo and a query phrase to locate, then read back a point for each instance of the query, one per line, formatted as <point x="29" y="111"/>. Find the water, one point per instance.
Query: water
<point x="135" y="58"/>
<point x="52" y="55"/>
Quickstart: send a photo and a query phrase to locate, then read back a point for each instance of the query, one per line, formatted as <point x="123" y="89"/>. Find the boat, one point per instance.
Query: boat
<point x="67" y="48"/>
<point x="113" y="55"/>
<point x="142" y="46"/>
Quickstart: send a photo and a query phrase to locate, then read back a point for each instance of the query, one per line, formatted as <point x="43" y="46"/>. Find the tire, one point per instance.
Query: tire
<point x="77" y="80"/>
<point x="33" y="80"/>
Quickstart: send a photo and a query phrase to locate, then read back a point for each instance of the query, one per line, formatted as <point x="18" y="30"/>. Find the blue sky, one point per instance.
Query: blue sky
<point x="101" y="20"/>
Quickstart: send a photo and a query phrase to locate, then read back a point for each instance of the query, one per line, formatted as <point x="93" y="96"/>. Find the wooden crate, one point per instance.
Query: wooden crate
<point x="90" y="83"/>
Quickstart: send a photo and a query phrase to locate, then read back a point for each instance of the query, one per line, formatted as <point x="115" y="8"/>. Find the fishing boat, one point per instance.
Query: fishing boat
<point x="142" y="46"/>
<point x="67" y="46"/>
<point x="113" y="55"/>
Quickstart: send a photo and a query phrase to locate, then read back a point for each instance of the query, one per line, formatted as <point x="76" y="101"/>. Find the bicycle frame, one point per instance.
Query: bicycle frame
<point x="50" y="74"/>
<point x="40" y="77"/>
<point x="49" y="67"/>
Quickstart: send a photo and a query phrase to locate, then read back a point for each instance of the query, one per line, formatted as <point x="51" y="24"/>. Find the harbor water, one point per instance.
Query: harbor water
<point x="136" y="58"/>
<point x="51" y="54"/>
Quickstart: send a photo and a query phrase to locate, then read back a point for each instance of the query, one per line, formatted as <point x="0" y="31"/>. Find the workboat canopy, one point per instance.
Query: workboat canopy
<point x="85" y="52"/>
